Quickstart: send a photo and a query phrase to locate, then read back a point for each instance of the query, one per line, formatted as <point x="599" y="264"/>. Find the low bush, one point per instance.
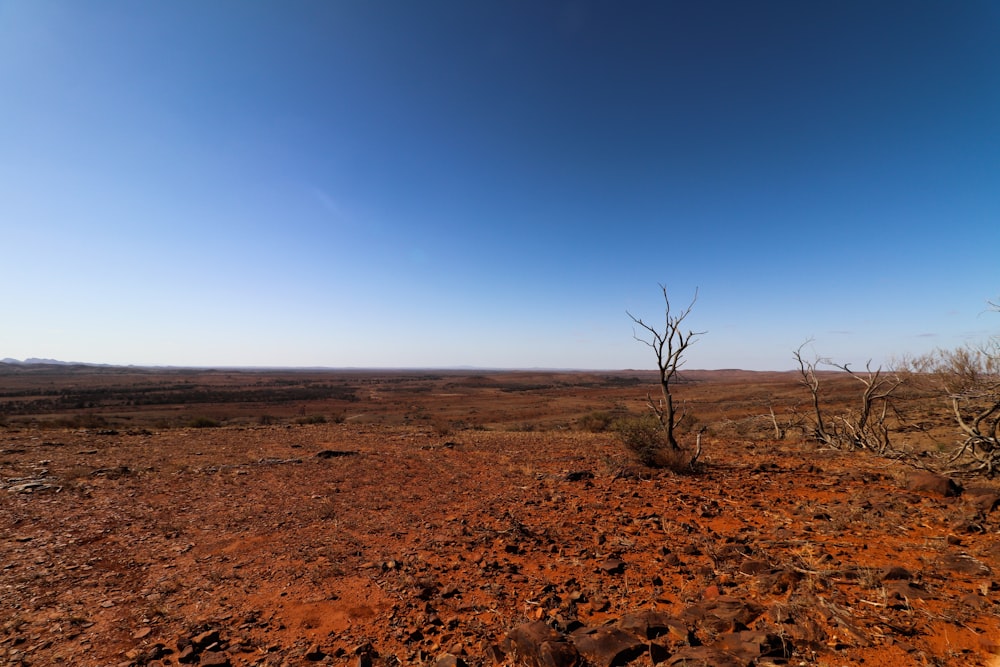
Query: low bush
<point x="598" y="421"/>
<point x="646" y="440"/>
<point x="311" y="419"/>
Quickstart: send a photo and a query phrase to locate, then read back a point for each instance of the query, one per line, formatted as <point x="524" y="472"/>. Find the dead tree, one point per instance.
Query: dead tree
<point x="669" y="346"/>
<point x="969" y="378"/>
<point x="867" y="428"/>
<point x="809" y="380"/>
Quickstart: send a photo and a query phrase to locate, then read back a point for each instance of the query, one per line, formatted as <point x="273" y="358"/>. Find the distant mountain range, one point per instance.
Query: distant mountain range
<point x="34" y="360"/>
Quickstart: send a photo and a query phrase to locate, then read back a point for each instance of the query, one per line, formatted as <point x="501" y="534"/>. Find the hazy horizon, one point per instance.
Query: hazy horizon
<point x="494" y="184"/>
<point x="822" y="367"/>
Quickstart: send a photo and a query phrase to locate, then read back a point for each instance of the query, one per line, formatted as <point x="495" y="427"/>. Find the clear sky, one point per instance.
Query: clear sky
<point x="494" y="183"/>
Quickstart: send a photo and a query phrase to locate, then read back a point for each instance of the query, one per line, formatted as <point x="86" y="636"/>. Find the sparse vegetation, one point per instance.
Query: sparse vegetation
<point x="867" y="426"/>
<point x="597" y="421"/>
<point x="668" y="346"/>
<point x="311" y="419"/>
<point x="644" y="438"/>
<point x="203" y="422"/>
<point x="787" y="546"/>
<point x="968" y="380"/>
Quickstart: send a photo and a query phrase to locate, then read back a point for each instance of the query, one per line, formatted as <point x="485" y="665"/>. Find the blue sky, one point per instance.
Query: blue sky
<point x="495" y="183"/>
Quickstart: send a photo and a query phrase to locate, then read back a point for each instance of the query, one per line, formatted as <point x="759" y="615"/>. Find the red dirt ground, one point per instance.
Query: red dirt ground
<point x="446" y="510"/>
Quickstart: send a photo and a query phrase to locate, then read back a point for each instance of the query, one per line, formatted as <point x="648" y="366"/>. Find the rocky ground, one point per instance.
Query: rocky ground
<point x="367" y="544"/>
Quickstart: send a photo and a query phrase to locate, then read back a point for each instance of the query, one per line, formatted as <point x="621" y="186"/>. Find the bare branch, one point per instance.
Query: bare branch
<point x="968" y="378"/>
<point x="867" y="428"/>
<point x="669" y="345"/>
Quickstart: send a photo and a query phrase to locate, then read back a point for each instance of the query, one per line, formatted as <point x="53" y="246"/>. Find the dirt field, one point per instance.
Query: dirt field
<point x="418" y="518"/>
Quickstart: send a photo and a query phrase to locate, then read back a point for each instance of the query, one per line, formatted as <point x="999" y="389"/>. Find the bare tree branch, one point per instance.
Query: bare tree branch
<point x="669" y="345"/>
<point x="867" y="428"/>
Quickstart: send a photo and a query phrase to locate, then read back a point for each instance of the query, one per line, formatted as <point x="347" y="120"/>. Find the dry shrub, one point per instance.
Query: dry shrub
<point x="598" y="421"/>
<point x="311" y="419"/>
<point x="646" y="440"/>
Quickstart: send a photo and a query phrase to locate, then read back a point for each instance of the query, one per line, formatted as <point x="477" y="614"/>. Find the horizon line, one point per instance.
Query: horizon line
<point x="36" y="361"/>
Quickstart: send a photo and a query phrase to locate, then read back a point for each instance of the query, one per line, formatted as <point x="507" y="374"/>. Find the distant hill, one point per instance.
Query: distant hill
<point x="35" y="360"/>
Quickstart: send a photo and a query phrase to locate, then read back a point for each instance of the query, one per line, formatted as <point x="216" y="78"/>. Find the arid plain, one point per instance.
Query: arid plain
<point x="168" y="517"/>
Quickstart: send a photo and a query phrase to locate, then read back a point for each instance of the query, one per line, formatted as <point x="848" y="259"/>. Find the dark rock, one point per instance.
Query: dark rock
<point x="896" y="573"/>
<point x="723" y="614"/>
<point x="754" y="566"/>
<point x="205" y="638"/>
<point x="538" y="645"/>
<point x="156" y="651"/>
<point x="315" y="653"/>
<point x="334" y="453"/>
<point x="777" y="581"/>
<point x="904" y="591"/>
<point x="578" y="475"/>
<point x="607" y="646"/>
<point x="748" y="646"/>
<point x="658" y="653"/>
<point x="933" y="483"/>
<point x="366" y="655"/>
<point x="652" y="624"/>
<point x="703" y="656"/>
<point x="214" y="659"/>
<point x="968" y="527"/>
<point x="112" y="473"/>
<point x="188" y="655"/>
<point x="612" y="566"/>
<point x="493" y="653"/>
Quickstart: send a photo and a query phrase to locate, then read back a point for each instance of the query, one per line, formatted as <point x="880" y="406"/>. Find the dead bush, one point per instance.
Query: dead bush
<point x="645" y="439"/>
<point x="598" y="421"/>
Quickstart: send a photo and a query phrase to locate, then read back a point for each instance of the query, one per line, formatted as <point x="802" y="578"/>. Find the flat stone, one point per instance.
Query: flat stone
<point x="214" y="659"/>
<point x="703" y="656"/>
<point x="607" y="646"/>
<point x="314" y="653"/>
<point x="205" y="638"/>
<point x="652" y="624"/>
<point x="538" y="645"/>
<point x="723" y="614"/>
<point x="188" y="655"/>
<point x="612" y="566"/>
<point x="907" y="590"/>
<point x="933" y="483"/>
<point x="749" y="645"/>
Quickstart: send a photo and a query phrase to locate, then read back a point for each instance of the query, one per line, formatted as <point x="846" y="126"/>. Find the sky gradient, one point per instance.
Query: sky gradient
<point x="493" y="184"/>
